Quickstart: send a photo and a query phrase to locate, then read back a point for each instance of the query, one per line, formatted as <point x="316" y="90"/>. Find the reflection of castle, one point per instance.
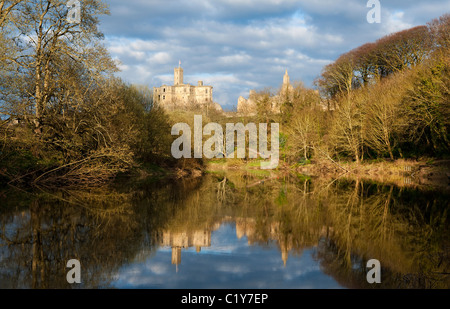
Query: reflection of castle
<point x="246" y="227"/>
<point x="183" y="240"/>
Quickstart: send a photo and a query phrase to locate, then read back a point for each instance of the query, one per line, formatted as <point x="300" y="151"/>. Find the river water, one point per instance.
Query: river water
<point x="226" y="230"/>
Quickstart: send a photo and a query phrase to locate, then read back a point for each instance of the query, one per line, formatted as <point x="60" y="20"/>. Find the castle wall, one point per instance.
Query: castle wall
<point x="203" y="94"/>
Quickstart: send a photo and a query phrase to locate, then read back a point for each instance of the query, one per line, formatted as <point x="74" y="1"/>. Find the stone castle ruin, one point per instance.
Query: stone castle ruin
<point x="184" y="96"/>
<point x="249" y="106"/>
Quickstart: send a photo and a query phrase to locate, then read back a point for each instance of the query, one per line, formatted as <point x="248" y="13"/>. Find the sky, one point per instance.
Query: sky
<point x="239" y="45"/>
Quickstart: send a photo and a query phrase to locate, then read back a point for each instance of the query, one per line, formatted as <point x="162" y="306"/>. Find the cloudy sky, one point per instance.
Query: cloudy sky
<point x="238" y="45"/>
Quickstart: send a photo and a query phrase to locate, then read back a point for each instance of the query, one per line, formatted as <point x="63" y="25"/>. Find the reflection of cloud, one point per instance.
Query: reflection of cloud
<point x="232" y="269"/>
<point x="158" y="268"/>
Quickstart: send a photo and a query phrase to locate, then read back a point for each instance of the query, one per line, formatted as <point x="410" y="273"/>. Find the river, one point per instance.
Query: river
<point x="226" y="230"/>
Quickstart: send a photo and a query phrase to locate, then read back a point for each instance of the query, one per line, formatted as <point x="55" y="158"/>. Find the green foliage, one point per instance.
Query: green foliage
<point x="18" y="160"/>
<point x="303" y="161"/>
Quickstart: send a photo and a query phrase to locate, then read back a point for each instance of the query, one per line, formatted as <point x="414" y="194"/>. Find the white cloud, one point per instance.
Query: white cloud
<point x="394" y="22"/>
<point x="160" y="58"/>
<point x="236" y="59"/>
<point x="245" y="44"/>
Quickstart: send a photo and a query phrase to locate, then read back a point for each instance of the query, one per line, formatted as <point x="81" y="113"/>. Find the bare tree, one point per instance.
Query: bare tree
<point x="347" y="127"/>
<point x="383" y="121"/>
<point x="303" y="132"/>
<point x="6" y="7"/>
<point x="337" y="78"/>
<point x="440" y="31"/>
<point x="51" y="37"/>
<point x="404" y="49"/>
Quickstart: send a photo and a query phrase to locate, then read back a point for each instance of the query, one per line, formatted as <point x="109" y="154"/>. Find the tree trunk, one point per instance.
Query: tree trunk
<point x="390" y="152"/>
<point x="39" y="93"/>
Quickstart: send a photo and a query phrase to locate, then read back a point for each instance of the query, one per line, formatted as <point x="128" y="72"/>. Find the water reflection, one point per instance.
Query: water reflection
<point x="184" y="240"/>
<point x="227" y="230"/>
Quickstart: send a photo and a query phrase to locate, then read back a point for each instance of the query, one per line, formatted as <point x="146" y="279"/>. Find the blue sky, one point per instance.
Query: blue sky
<point x="239" y="45"/>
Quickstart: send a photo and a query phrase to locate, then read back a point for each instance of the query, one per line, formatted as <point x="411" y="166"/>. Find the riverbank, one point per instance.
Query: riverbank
<point x="418" y="173"/>
<point x="410" y="173"/>
<point x="422" y="173"/>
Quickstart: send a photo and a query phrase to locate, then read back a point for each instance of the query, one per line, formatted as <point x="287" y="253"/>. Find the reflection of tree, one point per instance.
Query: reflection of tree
<point x="99" y="228"/>
<point x="38" y="252"/>
<point x="373" y="224"/>
<point x="222" y="191"/>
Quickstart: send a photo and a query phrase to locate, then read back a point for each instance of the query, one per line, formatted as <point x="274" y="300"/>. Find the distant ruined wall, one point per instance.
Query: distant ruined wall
<point x="249" y="106"/>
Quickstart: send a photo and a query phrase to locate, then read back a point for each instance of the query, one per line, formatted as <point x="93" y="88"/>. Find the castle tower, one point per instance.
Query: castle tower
<point x="286" y="78"/>
<point x="178" y="76"/>
<point x="286" y="89"/>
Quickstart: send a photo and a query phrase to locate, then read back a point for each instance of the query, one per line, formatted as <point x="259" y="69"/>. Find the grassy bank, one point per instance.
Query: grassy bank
<point x="419" y="173"/>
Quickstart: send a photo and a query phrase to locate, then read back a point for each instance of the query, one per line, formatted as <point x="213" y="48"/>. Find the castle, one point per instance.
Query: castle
<point x="184" y="96"/>
<point x="249" y="106"/>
